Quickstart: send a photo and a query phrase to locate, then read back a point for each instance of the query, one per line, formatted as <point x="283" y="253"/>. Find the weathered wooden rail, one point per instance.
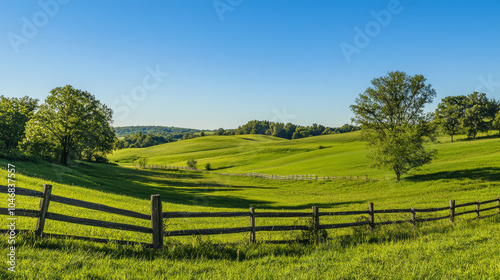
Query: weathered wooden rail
<point x="43" y="214"/>
<point x="157" y="217"/>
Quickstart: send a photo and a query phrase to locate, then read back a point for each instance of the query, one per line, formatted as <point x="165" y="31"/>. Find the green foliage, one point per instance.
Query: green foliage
<point x="208" y="166"/>
<point x="496" y="122"/>
<point x="220" y="131"/>
<point x="311" y="234"/>
<point x="391" y="116"/>
<point x="192" y="163"/>
<point x="449" y="114"/>
<point x="71" y="121"/>
<point x="476" y="113"/>
<point x="14" y="114"/>
<point x="493" y="108"/>
<point x="141" y="140"/>
<point x="142" y="162"/>
<point x="400" y="150"/>
<point x="287" y="131"/>
<point x="169" y="132"/>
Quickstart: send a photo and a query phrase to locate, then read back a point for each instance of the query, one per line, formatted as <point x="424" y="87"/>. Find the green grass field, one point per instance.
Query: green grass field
<point x="340" y="155"/>
<point x="464" y="171"/>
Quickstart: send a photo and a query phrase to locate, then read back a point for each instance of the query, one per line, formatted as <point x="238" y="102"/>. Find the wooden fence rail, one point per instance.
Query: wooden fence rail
<point x="157" y="216"/>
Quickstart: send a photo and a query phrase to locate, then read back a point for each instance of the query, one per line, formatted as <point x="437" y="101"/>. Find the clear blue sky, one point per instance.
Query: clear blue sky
<point x="247" y="59"/>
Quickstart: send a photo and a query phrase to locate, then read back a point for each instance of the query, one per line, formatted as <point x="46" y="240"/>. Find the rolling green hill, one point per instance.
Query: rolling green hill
<point x="329" y="155"/>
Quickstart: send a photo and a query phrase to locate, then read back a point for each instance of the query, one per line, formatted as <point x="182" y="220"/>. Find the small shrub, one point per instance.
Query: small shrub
<point x="142" y="162"/>
<point x="192" y="163"/>
<point x="321" y="147"/>
<point x="312" y="235"/>
<point x="208" y="166"/>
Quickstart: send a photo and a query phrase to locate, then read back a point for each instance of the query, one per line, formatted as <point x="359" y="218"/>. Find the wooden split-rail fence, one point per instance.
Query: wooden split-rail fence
<point x="305" y="177"/>
<point x="157" y="217"/>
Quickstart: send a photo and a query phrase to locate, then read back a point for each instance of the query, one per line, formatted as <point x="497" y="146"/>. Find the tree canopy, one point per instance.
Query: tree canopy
<point x="71" y="121"/>
<point x="476" y="112"/>
<point x="449" y="114"/>
<point x="496" y="122"/>
<point x="472" y="114"/>
<point x="14" y="114"/>
<point x="391" y="116"/>
<point x="287" y="131"/>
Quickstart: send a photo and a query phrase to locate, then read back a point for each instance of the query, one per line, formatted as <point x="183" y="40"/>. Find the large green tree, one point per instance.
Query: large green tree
<point x="476" y="114"/>
<point x="14" y="114"/>
<point x="71" y="121"/>
<point x="449" y="114"/>
<point x="391" y="116"/>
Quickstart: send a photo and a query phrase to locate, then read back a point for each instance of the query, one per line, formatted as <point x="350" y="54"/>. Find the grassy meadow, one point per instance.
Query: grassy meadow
<point x="464" y="171"/>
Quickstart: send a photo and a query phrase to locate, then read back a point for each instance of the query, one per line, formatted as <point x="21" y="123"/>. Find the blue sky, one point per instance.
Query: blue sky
<point x="211" y="64"/>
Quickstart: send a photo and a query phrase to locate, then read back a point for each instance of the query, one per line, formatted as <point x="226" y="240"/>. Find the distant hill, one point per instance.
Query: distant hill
<point x="158" y="130"/>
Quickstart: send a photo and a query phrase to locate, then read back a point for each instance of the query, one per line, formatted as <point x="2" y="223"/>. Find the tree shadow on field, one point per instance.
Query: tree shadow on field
<point x="494" y="136"/>
<point x="180" y="187"/>
<point x="491" y="174"/>
<point x="204" y="249"/>
<point x="176" y="187"/>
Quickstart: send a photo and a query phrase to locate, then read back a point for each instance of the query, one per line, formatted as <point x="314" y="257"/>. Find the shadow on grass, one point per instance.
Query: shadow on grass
<point x="494" y="136"/>
<point x="175" y="187"/>
<point x="491" y="174"/>
<point x="202" y="248"/>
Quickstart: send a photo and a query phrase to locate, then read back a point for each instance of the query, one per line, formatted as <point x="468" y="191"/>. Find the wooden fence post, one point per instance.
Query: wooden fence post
<point x="452" y="211"/>
<point x="371" y="216"/>
<point x="315" y="220"/>
<point x="156" y="221"/>
<point x="477" y="208"/>
<point x="44" y="207"/>
<point x="413" y="216"/>
<point x="252" y="224"/>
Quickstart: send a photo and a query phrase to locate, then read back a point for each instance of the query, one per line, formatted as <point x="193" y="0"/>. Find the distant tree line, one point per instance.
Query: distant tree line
<point x="141" y="140"/>
<point x="287" y="131"/>
<point x="166" y="131"/>
<point x="468" y="114"/>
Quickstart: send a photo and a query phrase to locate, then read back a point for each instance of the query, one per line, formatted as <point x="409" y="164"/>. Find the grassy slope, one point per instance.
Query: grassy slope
<point x="344" y="155"/>
<point x="464" y="171"/>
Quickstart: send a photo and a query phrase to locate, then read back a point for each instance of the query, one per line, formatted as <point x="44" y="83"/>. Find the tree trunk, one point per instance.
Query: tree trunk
<point x="64" y="156"/>
<point x="452" y="138"/>
<point x="398" y="174"/>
